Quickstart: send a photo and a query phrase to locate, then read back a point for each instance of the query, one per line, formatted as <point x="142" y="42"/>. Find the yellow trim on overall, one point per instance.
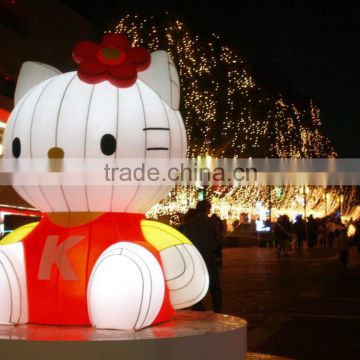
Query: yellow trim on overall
<point x="18" y="234"/>
<point x="162" y="236"/>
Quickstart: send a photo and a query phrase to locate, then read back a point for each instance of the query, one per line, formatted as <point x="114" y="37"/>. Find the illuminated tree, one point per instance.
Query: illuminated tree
<point x="227" y="114"/>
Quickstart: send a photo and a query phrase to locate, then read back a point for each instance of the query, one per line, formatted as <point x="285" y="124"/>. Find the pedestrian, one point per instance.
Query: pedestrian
<point x="330" y="228"/>
<point x="343" y="245"/>
<point x="205" y="234"/>
<point x="322" y="235"/>
<point x="357" y="234"/>
<point x="218" y="251"/>
<point x="300" y="231"/>
<point x="312" y="231"/>
<point x="189" y="215"/>
<point x="282" y="235"/>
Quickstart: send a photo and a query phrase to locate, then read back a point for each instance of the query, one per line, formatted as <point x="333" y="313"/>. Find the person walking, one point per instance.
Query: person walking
<point x="312" y="231"/>
<point x="322" y="235"/>
<point x="205" y="234"/>
<point x="357" y="234"/>
<point x="189" y="215"/>
<point x="218" y="251"/>
<point x="282" y="233"/>
<point x="343" y="245"/>
<point x="330" y="228"/>
<point x="300" y="231"/>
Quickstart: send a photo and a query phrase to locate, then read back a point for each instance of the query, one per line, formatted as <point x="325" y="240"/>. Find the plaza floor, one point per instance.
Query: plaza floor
<point x="303" y="306"/>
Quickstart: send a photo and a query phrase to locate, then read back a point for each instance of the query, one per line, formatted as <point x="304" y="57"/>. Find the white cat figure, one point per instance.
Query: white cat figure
<point x="94" y="258"/>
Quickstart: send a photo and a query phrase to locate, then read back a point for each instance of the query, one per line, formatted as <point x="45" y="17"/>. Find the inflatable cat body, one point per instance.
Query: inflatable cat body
<point x="94" y="258"/>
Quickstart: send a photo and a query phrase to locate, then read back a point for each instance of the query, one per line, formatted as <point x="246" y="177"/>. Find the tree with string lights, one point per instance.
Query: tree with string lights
<point x="227" y="114"/>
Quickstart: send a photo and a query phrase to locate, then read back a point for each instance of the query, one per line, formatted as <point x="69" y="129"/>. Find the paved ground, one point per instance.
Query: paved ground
<point x="304" y="306"/>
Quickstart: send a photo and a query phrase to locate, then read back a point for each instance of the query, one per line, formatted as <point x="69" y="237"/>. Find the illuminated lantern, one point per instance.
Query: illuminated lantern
<point x="93" y="258"/>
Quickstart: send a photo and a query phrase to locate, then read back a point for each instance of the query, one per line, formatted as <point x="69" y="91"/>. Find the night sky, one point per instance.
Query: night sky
<point x="309" y="46"/>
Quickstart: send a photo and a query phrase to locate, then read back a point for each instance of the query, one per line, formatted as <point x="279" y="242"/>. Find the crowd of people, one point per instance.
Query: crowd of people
<point x="207" y="233"/>
<point x="325" y="232"/>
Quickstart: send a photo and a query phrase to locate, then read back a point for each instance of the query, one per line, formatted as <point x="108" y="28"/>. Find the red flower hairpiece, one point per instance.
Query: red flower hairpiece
<point x="113" y="60"/>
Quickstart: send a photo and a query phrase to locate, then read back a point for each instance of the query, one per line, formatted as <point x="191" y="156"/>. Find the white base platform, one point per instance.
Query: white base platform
<point x="189" y="335"/>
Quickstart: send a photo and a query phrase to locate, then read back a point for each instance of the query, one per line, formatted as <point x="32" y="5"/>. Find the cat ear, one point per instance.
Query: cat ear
<point x="31" y="74"/>
<point x="163" y="78"/>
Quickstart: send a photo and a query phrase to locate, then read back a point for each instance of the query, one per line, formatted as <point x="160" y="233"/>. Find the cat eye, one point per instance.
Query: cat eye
<point x="16" y="147"/>
<point x="108" y="144"/>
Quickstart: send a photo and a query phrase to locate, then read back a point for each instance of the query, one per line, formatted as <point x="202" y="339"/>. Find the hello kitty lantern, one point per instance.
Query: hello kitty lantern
<point x="94" y="259"/>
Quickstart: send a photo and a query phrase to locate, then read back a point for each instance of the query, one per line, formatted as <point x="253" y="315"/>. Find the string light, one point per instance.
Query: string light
<point x="227" y="114"/>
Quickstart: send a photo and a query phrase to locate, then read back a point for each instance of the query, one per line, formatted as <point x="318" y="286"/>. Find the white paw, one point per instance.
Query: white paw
<point x="186" y="275"/>
<point x="126" y="288"/>
<point x="13" y="297"/>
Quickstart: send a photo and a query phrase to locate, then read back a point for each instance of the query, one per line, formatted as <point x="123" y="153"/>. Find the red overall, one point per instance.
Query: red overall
<point x="58" y="296"/>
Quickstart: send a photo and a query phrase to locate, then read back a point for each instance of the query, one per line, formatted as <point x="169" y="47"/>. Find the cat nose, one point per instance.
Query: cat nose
<point x="56" y="153"/>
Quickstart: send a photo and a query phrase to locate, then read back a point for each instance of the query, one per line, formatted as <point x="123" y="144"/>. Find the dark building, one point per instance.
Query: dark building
<point x="37" y="30"/>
